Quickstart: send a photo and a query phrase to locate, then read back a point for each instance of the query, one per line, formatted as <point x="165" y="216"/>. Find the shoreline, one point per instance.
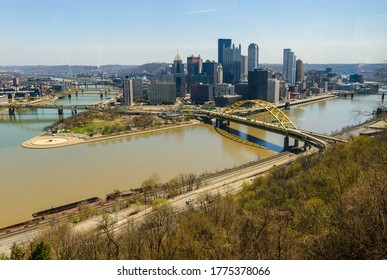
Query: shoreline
<point x="44" y="141"/>
<point x="61" y="140"/>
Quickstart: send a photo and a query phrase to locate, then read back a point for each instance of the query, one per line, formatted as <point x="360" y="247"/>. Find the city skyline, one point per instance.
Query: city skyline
<point x="125" y="32"/>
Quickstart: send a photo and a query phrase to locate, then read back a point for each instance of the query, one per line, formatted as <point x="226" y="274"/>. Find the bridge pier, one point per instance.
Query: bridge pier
<point x="383" y="96"/>
<point x="69" y="96"/>
<point x="287" y="105"/>
<point x="351" y="95"/>
<point x="11" y="111"/>
<point x="296" y="143"/>
<point x="286" y="143"/>
<point x="60" y="111"/>
<point x="223" y="124"/>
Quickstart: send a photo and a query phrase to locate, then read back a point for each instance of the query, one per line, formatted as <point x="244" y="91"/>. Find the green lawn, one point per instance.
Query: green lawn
<point x="84" y="129"/>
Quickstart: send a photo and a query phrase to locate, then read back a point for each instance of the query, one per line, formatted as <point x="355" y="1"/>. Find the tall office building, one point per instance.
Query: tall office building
<point x="244" y="67"/>
<point x="133" y="90"/>
<point x="273" y="90"/>
<point x="232" y="63"/>
<point x="289" y="66"/>
<point x="222" y="44"/>
<point x="162" y="93"/>
<point x="220" y="74"/>
<point x="178" y="74"/>
<point x="194" y="67"/>
<point x="128" y="91"/>
<point x="253" y="54"/>
<point x="300" y="72"/>
<point x="258" y="84"/>
<point x="210" y="68"/>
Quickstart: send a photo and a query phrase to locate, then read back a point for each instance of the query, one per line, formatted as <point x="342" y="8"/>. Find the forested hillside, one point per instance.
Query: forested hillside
<point x="327" y="206"/>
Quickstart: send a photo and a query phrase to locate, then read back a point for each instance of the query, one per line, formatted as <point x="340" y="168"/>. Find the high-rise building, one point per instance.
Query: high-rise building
<point x="253" y="55"/>
<point x="133" y="90"/>
<point x="162" y="93"/>
<point x="178" y="73"/>
<point x="194" y="67"/>
<point x="222" y="44"/>
<point x="300" y="72"/>
<point x="201" y="94"/>
<point x="232" y="63"/>
<point x="273" y="90"/>
<point x="258" y="84"/>
<point x="128" y="91"/>
<point x="244" y="67"/>
<point x="220" y="74"/>
<point x="289" y="66"/>
<point x="210" y="68"/>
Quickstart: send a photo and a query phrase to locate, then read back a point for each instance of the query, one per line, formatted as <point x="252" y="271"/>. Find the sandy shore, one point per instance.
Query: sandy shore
<point x="59" y="140"/>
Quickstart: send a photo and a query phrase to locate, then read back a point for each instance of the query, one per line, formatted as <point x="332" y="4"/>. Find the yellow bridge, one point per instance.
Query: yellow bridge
<point x="283" y="125"/>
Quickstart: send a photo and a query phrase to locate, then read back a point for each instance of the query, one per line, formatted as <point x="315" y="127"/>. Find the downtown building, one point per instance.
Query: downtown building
<point x="179" y="76"/>
<point x="300" y="72"/>
<point x="262" y="86"/>
<point x="210" y="69"/>
<point x="223" y="44"/>
<point x="133" y="90"/>
<point x="289" y="66"/>
<point x="194" y="68"/>
<point x="253" y="57"/>
<point x="232" y="64"/>
<point x="164" y="93"/>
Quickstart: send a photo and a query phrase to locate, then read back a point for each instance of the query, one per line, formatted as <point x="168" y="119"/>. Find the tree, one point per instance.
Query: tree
<point x="107" y="224"/>
<point x="42" y="251"/>
<point x="17" y="252"/>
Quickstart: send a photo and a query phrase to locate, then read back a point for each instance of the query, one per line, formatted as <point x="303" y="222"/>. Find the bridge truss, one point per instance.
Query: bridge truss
<point x="284" y="121"/>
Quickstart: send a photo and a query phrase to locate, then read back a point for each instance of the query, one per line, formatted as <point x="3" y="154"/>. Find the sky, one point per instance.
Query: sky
<point x="128" y="32"/>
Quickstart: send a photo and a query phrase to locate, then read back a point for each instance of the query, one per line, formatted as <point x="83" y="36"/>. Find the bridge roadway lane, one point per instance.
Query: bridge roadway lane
<point x="230" y="182"/>
<point x="301" y="135"/>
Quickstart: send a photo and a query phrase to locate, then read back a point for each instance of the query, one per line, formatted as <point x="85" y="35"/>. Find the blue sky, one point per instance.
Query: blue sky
<point x="75" y="32"/>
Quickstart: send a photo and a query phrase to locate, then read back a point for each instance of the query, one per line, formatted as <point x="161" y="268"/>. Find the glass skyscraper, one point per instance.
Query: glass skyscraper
<point x="289" y="66"/>
<point x="222" y="44"/>
<point x="253" y="56"/>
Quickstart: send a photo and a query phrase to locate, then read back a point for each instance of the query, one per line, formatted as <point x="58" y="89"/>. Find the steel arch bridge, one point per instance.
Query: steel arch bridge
<point x="284" y="121"/>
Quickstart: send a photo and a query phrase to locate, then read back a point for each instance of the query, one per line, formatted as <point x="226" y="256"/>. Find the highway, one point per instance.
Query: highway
<point x="224" y="183"/>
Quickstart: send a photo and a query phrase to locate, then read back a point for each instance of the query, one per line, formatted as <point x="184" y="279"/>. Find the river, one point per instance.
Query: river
<point x="34" y="180"/>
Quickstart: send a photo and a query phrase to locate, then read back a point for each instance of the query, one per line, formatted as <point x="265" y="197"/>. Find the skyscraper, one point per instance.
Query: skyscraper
<point x="244" y="67"/>
<point x="258" y="84"/>
<point x="194" y="67"/>
<point x="222" y="44"/>
<point x="178" y="74"/>
<point x="300" y="75"/>
<point x="210" y="68"/>
<point x="253" y="54"/>
<point x="232" y="63"/>
<point x="128" y="91"/>
<point x="289" y="66"/>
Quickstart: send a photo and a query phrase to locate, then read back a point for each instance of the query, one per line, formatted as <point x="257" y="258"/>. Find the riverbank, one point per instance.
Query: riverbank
<point x="59" y="140"/>
<point x="308" y="100"/>
<point x="370" y="127"/>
